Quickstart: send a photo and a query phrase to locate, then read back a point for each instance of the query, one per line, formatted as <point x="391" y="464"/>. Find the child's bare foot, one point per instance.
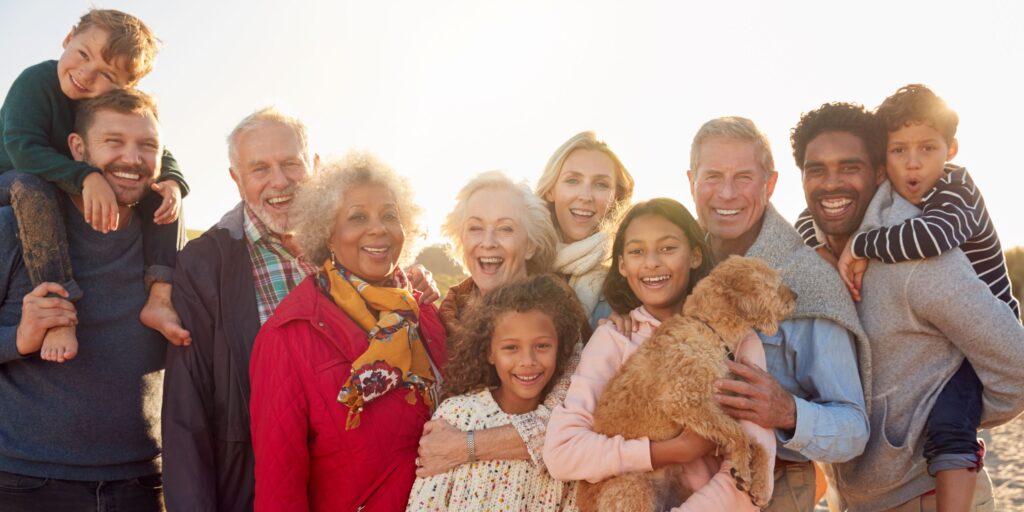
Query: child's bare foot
<point x="59" y="344"/>
<point x="159" y="314"/>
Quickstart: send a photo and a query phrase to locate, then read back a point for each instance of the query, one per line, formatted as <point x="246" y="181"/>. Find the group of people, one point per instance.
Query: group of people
<point x="290" y="358"/>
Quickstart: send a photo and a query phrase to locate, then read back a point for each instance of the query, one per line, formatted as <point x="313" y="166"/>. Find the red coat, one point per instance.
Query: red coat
<point x="305" y="459"/>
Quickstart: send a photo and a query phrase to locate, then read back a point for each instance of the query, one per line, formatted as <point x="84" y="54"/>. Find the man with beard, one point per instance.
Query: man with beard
<point x="922" y="317"/>
<point x="84" y="435"/>
<point x="227" y="283"/>
<point x="811" y="395"/>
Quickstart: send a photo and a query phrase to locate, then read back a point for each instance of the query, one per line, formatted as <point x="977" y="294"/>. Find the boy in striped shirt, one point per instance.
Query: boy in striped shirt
<point x="921" y="140"/>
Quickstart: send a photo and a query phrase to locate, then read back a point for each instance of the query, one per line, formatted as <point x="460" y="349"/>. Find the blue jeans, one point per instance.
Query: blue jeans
<point x="20" y="493"/>
<point x="951" y="433"/>
<point x="44" y="239"/>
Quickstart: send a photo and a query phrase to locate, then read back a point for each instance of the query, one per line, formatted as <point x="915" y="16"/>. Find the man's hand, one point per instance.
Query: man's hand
<point x="758" y="397"/>
<point x="170" y="208"/>
<point x="442" y="447"/>
<point x="99" y="204"/>
<point x="40" y="313"/>
<point x="421" y="279"/>
<point x="851" y="269"/>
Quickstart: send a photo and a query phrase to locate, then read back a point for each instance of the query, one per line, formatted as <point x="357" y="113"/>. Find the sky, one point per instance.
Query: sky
<point x="442" y="91"/>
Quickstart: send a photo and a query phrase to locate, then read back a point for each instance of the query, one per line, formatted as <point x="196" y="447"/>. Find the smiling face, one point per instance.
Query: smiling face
<point x="494" y="242"/>
<point x="524" y="352"/>
<point x="731" y="190"/>
<point x="269" y="166"/>
<point x="368" y="235"/>
<point x="81" y="70"/>
<point x="915" y="158"/>
<point x="126" y="147"/>
<point x="839" y="182"/>
<point x="656" y="261"/>
<point x="583" y="193"/>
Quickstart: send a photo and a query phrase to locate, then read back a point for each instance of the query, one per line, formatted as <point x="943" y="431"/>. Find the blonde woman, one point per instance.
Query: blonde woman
<point x="585" y="186"/>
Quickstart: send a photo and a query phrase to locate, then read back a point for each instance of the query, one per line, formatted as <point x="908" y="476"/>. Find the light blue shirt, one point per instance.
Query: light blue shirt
<point x="815" y="360"/>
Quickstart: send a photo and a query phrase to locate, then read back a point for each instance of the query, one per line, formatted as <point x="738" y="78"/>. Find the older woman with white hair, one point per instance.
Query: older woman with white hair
<point x="585" y="187"/>
<point x="500" y="231"/>
<point x="345" y="372"/>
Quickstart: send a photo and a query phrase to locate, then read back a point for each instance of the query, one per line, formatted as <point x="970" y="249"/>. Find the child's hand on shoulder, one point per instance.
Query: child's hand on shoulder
<point x="851" y="269"/>
<point x="99" y="203"/>
<point x="171" y="205"/>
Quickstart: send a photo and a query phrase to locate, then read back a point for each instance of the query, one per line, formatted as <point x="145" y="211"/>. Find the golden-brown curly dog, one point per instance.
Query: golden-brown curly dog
<point x="667" y="385"/>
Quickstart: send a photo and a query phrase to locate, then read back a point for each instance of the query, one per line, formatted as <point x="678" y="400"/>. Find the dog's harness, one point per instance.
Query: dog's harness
<point x="728" y="352"/>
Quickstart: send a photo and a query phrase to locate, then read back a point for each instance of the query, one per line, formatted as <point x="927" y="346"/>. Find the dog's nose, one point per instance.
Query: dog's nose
<point x="795" y="295"/>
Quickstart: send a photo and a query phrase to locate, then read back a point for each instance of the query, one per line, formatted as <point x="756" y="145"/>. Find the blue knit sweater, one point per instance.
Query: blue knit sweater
<point x="96" y="417"/>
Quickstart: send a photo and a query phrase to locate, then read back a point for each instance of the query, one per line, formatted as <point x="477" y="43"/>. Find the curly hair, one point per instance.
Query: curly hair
<point x="624" y="183"/>
<point x="916" y="103"/>
<point x="616" y="289"/>
<point x="320" y="198"/>
<point x="839" y="117"/>
<point x="468" y="369"/>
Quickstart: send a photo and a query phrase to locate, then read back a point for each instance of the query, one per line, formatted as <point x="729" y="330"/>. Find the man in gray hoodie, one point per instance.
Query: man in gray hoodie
<point x="915" y="314"/>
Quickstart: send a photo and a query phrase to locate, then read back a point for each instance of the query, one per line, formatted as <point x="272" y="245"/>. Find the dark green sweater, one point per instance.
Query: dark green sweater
<point x="35" y="122"/>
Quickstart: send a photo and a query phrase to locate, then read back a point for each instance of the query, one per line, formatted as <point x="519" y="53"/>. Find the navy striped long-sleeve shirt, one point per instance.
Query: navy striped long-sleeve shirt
<point x="953" y="214"/>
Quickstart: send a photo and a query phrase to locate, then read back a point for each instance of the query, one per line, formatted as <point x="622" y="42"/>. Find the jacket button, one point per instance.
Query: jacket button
<point x="321" y="324"/>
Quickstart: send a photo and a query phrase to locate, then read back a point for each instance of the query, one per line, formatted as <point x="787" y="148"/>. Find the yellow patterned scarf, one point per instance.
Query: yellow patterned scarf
<point x="396" y="356"/>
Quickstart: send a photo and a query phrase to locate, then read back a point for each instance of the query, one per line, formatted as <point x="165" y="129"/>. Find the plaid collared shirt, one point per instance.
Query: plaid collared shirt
<point x="275" y="270"/>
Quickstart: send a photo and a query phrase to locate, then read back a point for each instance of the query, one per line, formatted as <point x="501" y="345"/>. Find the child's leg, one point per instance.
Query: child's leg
<point x="951" y="443"/>
<point x="44" y="247"/>
<point x="160" y="243"/>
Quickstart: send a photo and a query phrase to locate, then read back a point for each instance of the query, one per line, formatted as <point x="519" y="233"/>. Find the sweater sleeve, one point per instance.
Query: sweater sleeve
<point x="170" y="170"/>
<point x="532" y="426"/>
<point x="280" y="430"/>
<point x="720" y="492"/>
<point x="28" y="113"/>
<point x="805" y="226"/>
<point x="572" y="450"/>
<point x="950" y="216"/>
<point x="946" y="293"/>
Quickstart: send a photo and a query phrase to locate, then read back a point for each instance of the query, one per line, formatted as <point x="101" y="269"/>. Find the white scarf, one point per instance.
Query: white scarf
<point x="586" y="264"/>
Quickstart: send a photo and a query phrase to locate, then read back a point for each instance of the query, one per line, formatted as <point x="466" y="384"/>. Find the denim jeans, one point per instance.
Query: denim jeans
<point x="20" y="493"/>
<point x="44" y="239"/>
<point x="951" y="433"/>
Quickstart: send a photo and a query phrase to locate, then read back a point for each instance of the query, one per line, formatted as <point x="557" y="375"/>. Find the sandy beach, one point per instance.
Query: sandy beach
<point x="1005" y="463"/>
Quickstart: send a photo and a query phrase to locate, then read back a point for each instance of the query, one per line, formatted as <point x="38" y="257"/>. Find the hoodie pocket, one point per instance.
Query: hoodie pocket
<point x="884" y="465"/>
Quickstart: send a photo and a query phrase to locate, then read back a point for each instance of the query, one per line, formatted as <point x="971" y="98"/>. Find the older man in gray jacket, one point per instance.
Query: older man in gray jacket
<point x="922" y="318"/>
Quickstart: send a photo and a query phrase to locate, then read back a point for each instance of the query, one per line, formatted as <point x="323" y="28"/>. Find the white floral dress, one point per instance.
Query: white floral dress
<point x="490" y="485"/>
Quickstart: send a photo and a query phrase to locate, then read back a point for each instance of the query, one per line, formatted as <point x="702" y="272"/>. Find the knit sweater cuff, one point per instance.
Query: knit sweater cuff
<point x="9" y="344"/>
<point x="532" y="427"/>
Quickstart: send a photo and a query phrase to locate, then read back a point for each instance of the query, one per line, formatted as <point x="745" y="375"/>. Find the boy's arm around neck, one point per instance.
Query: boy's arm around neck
<point x="170" y="170"/>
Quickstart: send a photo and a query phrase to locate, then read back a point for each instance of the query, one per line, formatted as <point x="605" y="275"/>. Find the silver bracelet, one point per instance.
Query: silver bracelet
<point x="471" y="446"/>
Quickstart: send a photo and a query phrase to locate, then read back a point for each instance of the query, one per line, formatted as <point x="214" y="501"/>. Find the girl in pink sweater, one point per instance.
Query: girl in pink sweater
<point x="659" y="255"/>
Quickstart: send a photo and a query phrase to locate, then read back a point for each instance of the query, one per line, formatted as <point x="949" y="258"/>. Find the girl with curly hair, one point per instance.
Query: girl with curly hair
<point x="516" y="342"/>
<point x="659" y="255"/>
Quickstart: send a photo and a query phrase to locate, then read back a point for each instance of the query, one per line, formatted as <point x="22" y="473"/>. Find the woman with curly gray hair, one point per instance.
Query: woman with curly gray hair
<point x="501" y="232"/>
<point x="346" y="371"/>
